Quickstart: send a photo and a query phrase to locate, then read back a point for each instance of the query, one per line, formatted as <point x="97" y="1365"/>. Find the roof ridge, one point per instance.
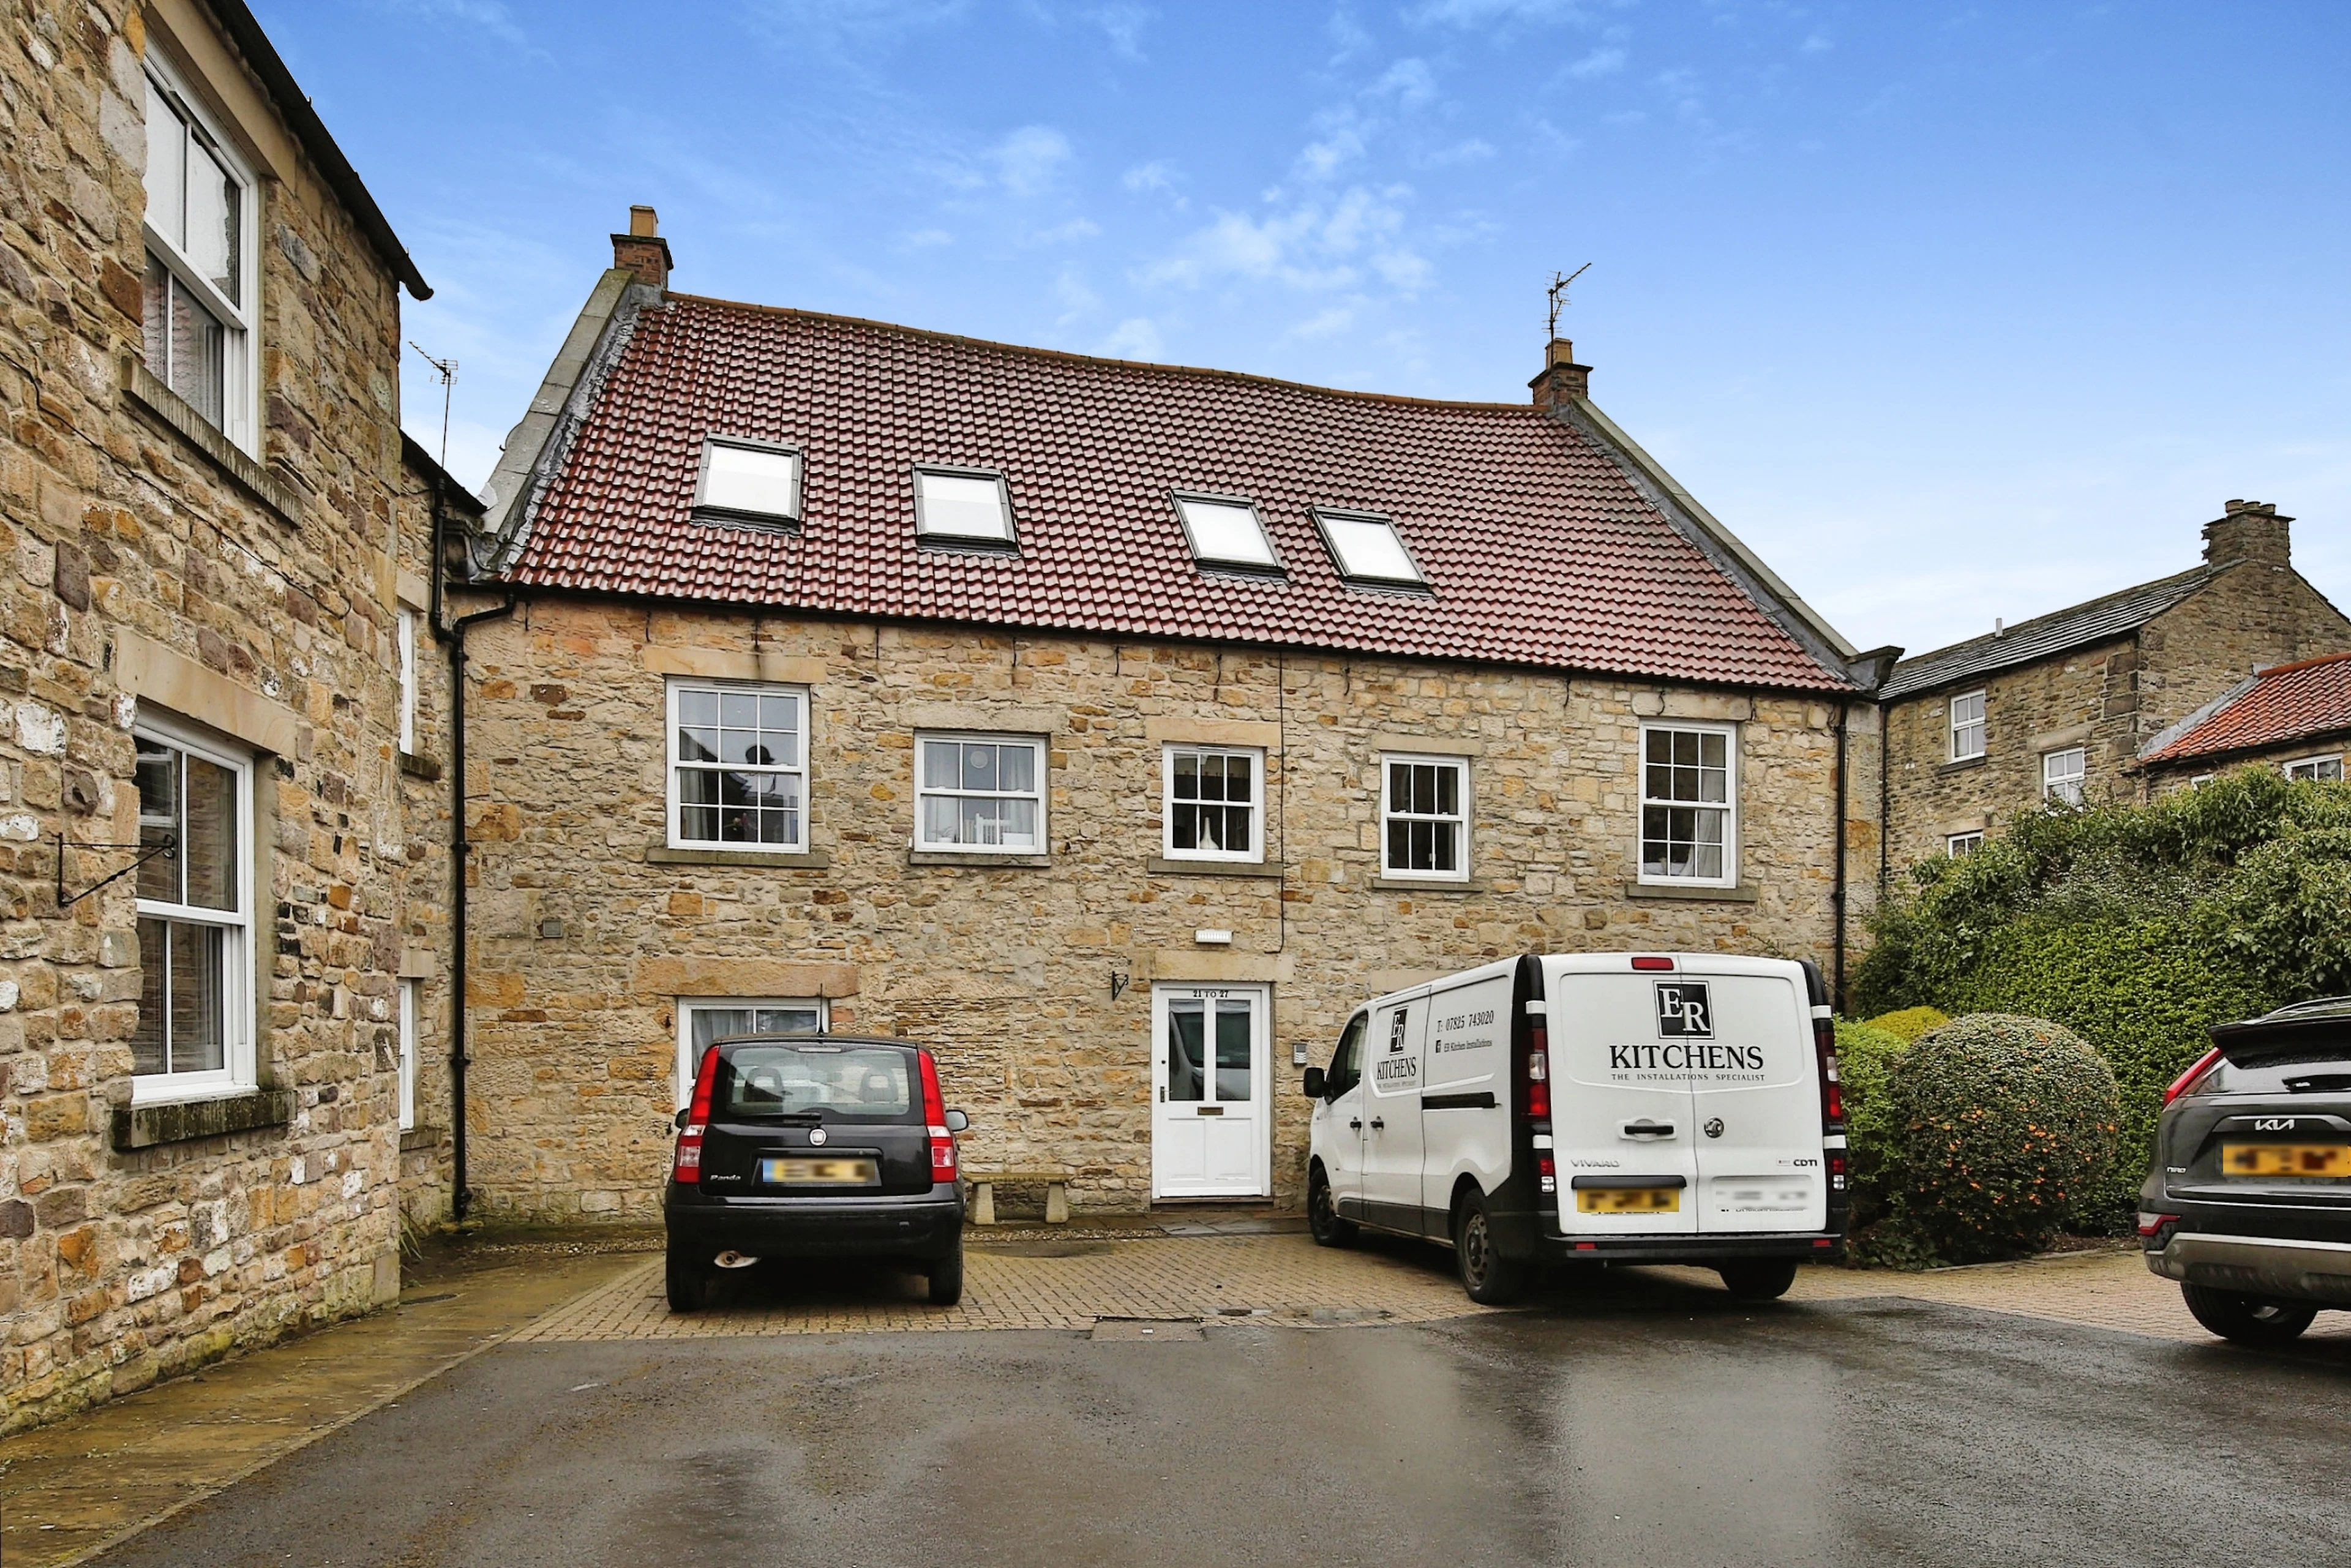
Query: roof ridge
<point x="1159" y="366"/>
<point x="2301" y="664"/>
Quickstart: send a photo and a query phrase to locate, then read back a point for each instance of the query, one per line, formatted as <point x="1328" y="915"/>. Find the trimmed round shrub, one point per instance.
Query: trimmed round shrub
<point x="1863" y="1056"/>
<point x="2000" y="1127"/>
<point x="1910" y="1023"/>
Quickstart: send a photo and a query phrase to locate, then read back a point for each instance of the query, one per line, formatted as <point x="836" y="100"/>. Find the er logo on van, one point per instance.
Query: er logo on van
<point x="1683" y="1011"/>
<point x="1396" y="1033"/>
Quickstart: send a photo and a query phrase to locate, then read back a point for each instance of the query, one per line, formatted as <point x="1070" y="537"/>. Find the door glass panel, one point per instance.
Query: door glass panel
<point x="1233" y="1048"/>
<point x="1186" y="1055"/>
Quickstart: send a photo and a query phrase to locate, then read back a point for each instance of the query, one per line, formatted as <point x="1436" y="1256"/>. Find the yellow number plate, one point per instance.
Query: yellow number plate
<point x="2286" y="1159"/>
<point x="1628" y="1199"/>
<point x="821" y="1172"/>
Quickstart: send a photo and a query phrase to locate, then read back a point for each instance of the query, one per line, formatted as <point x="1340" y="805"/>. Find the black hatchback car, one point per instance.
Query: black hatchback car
<point x="2248" y="1205"/>
<point x="807" y="1146"/>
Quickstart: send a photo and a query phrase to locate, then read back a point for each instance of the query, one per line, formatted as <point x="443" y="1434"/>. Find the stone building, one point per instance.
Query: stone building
<point x="1066" y="714"/>
<point x="213" y="630"/>
<point x="2293" y="718"/>
<point x="2059" y="707"/>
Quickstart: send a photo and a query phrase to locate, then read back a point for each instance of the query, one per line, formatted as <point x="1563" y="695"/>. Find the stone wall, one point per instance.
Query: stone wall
<point x="2253" y="617"/>
<point x="150" y="566"/>
<point x="587" y="930"/>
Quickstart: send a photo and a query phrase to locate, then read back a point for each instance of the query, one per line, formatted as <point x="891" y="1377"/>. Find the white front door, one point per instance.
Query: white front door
<point x="1211" y="1125"/>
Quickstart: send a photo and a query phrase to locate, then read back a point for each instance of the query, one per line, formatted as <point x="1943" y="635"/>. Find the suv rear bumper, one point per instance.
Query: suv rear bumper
<point x="2314" y="1271"/>
<point x="926" y="1225"/>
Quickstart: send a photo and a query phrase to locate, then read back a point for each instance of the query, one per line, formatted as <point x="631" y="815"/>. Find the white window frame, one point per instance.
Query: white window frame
<point x="675" y="797"/>
<point x="1388" y="813"/>
<point x="238" y="1074"/>
<point x="2201" y="779"/>
<point x="1010" y="539"/>
<point x="411" y="1003"/>
<point x="688" y="1005"/>
<point x="1973" y="841"/>
<point x="1255" y="852"/>
<point x="1271" y="566"/>
<point x="704" y="506"/>
<point x="240" y="390"/>
<point x="925" y="739"/>
<point x="2314" y="764"/>
<point x="406" y="630"/>
<point x="1980" y="724"/>
<point x="1729" y="807"/>
<point x="2053" y="784"/>
<point x="1417" y="584"/>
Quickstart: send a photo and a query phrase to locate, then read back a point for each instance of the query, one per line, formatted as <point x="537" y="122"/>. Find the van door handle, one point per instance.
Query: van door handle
<point x="1378" y="1122"/>
<point x="1645" y="1128"/>
<point x="1356" y="1126"/>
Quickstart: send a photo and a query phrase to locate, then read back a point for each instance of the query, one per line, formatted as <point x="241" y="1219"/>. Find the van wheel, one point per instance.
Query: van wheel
<point x="691" y="1283"/>
<point x="947" y="1278"/>
<point x="1758" y="1279"/>
<point x="2248" y="1320"/>
<point x="1491" y="1280"/>
<point x="1322" y="1221"/>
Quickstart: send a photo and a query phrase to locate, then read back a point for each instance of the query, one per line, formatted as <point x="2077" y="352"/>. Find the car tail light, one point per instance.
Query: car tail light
<point x="1648" y="962"/>
<point x="1832" y="1087"/>
<point x="934" y="1111"/>
<point x="2193" y="1076"/>
<point x="687" y="1165"/>
<point x="1539" y="1077"/>
<point x="2155" y="1224"/>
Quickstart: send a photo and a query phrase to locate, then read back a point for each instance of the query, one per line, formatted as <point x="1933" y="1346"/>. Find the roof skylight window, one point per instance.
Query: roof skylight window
<point x="1368" y="549"/>
<point x="966" y="505"/>
<point x="756" y="480"/>
<point x="1227" y="531"/>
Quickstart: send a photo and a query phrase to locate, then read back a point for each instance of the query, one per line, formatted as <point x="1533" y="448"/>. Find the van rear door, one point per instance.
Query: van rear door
<point x="1755" y="1087"/>
<point x="1620" y="1112"/>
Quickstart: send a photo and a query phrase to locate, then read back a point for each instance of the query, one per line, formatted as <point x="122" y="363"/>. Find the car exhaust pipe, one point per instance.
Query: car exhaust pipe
<point x="730" y="1259"/>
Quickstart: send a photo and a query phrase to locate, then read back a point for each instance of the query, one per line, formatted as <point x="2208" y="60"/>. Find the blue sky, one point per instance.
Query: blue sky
<point x="1951" y="311"/>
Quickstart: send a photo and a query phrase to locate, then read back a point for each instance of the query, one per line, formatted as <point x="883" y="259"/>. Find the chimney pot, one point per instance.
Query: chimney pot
<point x="2249" y="531"/>
<point x="642" y="250"/>
<point x="1562" y="379"/>
<point x="643" y="221"/>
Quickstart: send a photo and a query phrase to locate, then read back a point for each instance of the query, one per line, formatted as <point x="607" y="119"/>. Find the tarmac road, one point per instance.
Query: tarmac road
<point x="1674" y="1430"/>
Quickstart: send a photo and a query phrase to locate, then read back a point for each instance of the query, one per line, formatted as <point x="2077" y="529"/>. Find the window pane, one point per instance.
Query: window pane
<point x="199" y="977"/>
<point x="1239" y="784"/>
<point x="167" y="145"/>
<point x="209" y="850"/>
<point x="942" y="764"/>
<point x="1221" y="531"/>
<point x="199" y="355"/>
<point x="155" y="318"/>
<point x="1017" y="768"/>
<point x="747" y="480"/>
<point x="1186" y="1064"/>
<point x="146" y="1037"/>
<point x="787" y="1020"/>
<point x="1188" y="776"/>
<point x="214" y="236"/>
<point x="1233" y="1051"/>
<point x="697" y="707"/>
<point x="1400" y="846"/>
<point x="158" y="780"/>
<point x="1369" y="549"/>
<point x="978" y="768"/>
<point x="940" y="820"/>
<point x="1183" y="827"/>
<point x="1447" y="782"/>
<point x="962" y="505"/>
<point x="697" y="794"/>
<point x="717" y="1023"/>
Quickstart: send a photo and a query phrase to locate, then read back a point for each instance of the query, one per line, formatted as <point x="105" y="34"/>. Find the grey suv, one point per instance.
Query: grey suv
<point x="2248" y="1205"/>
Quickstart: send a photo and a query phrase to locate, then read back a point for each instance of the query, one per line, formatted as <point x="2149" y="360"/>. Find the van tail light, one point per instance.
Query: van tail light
<point x="1832" y="1089"/>
<point x="686" y="1167"/>
<point x="1837" y="1171"/>
<point x="1539" y="1077"/>
<point x="935" y="1113"/>
<point x="2196" y="1074"/>
<point x="1546" y="1171"/>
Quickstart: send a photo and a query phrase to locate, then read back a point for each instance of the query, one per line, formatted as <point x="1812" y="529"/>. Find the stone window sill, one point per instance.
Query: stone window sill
<point x="416" y="1138"/>
<point x="1425" y="884"/>
<point x="1964" y="763"/>
<point x="809" y="860"/>
<point x="425" y="768"/>
<point x="1744" y="892"/>
<point x="1160" y="865"/>
<point x="992" y="863"/>
<point x="144" y="1126"/>
<point x="145" y="389"/>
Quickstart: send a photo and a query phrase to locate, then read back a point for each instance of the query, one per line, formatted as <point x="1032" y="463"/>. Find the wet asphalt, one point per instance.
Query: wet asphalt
<point x="1626" y="1424"/>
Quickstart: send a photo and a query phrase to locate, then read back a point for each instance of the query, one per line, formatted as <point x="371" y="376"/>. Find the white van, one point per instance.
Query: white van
<point x="1601" y="1107"/>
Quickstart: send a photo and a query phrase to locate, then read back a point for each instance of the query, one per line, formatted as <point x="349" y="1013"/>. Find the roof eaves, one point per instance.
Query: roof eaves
<point x="2094" y="620"/>
<point x="261" y="56"/>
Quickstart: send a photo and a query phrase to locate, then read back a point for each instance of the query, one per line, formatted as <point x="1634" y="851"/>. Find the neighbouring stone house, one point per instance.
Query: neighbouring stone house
<point x="2060" y="708"/>
<point x="1068" y="714"/>
<point x="2293" y="718"/>
<point x="219" y="886"/>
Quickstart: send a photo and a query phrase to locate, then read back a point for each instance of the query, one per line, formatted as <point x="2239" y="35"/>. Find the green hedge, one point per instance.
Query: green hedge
<point x="1864" y="1054"/>
<point x="1910" y="1023"/>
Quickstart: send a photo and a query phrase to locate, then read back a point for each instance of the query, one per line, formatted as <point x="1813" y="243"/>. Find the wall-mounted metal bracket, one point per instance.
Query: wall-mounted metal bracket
<point x="1119" y="981"/>
<point x="168" y="846"/>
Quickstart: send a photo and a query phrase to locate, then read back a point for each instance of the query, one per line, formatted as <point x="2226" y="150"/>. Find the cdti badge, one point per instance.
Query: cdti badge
<point x="1684" y="1010"/>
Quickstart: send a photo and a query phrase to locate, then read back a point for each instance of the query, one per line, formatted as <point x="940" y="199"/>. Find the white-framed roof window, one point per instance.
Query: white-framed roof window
<point x="961" y="506"/>
<point x="1226" y="530"/>
<point x="203" y="270"/>
<point x="2323" y="768"/>
<point x="740" y="478"/>
<point x="1967" y="726"/>
<point x="1368" y="548"/>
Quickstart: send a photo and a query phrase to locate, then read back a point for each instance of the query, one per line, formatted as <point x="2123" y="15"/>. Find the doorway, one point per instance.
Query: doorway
<point x="1211" y="1122"/>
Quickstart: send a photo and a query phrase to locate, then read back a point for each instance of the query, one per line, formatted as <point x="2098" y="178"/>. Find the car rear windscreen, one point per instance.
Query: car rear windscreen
<point x="875" y="1082"/>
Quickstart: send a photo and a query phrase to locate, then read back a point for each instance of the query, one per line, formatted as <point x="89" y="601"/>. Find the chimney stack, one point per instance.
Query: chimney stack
<point x="1562" y="379"/>
<point x="642" y="250"/>
<point x="2249" y="531"/>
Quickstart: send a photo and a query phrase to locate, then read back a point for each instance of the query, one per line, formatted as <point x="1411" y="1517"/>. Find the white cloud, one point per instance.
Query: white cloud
<point x="1068" y="233"/>
<point x="1123" y="23"/>
<point x="1606" y="60"/>
<point x="798" y="25"/>
<point x="1327" y="323"/>
<point x="1316" y="246"/>
<point x="1476" y="150"/>
<point x="1028" y="161"/>
<point x="1159" y="174"/>
<point x="1076" y="300"/>
<point x="487" y="14"/>
<point x="1409" y="81"/>
<point x="1482" y="13"/>
<point x="926" y="239"/>
<point x="1133" y="338"/>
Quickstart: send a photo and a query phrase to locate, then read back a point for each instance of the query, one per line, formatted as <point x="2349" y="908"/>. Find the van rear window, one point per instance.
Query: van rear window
<point x="871" y="1081"/>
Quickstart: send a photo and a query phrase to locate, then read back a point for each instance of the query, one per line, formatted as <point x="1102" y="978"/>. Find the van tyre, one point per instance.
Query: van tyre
<point x="690" y="1283"/>
<point x="1491" y="1280"/>
<point x="1322" y="1221"/>
<point x="2248" y="1320"/>
<point x="1758" y="1279"/>
<point x="947" y="1278"/>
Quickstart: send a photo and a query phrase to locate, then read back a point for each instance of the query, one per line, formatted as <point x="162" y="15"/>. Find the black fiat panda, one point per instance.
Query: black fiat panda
<point x="805" y="1146"/>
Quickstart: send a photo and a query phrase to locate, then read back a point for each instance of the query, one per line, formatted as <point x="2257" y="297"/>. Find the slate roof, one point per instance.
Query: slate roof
<point x="1536" y="544"/>
<point x="2288" y="703"/>
<point x="2038" y="639"/>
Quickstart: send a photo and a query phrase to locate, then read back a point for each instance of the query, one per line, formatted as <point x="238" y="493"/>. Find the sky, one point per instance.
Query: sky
<point x="1951" y="311"/>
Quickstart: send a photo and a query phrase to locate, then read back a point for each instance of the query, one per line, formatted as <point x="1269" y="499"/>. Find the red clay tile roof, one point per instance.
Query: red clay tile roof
<point x="1538" y="548"/>
<point x="2284" y="703"/>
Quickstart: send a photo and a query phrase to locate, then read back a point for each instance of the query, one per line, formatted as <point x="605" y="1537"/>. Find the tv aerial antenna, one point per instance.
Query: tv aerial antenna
<point x="446" y="371"/>
<point x="1557" y="292"/>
